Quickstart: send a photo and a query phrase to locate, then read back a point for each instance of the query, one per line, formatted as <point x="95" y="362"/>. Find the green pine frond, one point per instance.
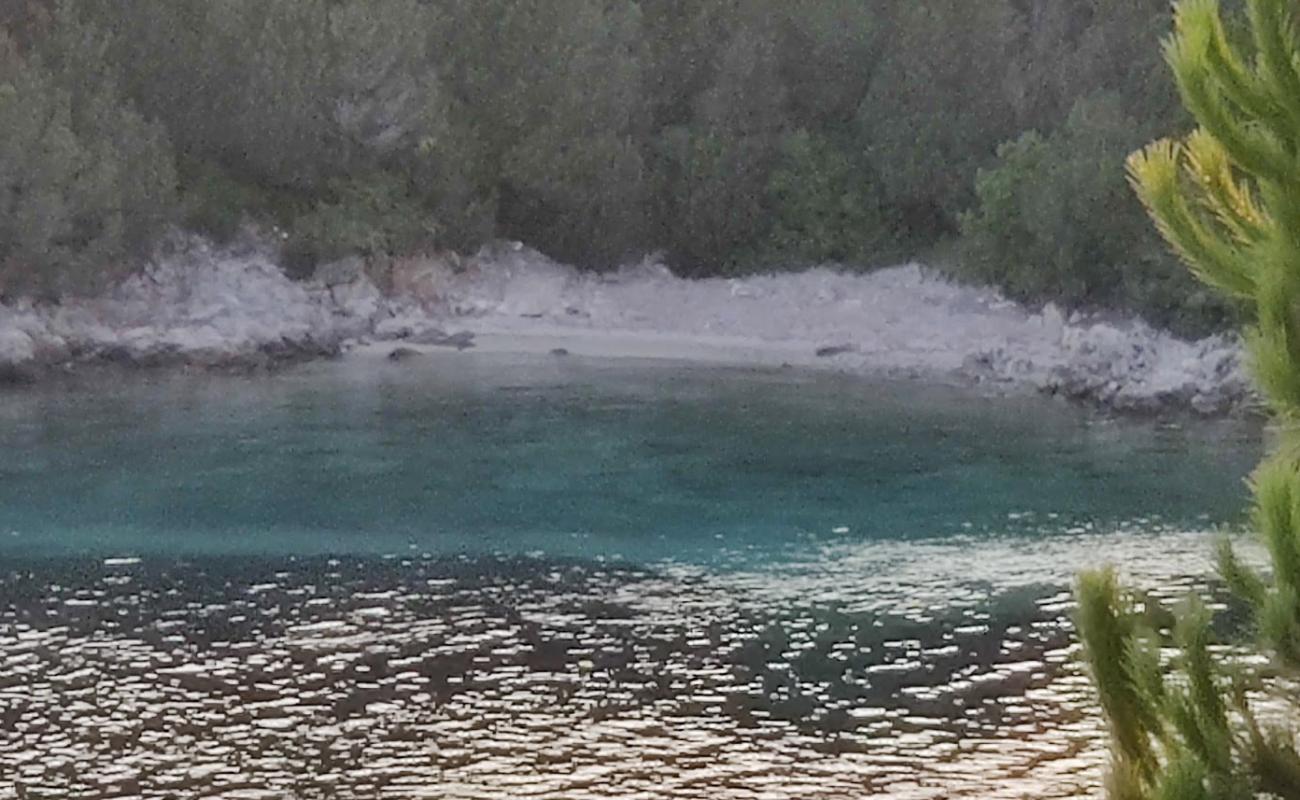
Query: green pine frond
<point x="1185" y="779"/>
<point x="1275" y="371"/>
<point x="1107" y="630"/>
<point x="1273" y="758"/>
<point x="1230" y="200"/>
<point x="1248" y="142"/>
<point x="1204" y="695"/>
<point x="1280" y="627"/>
<point x="1243" y="581"/>
<point x="1154" y="174"/>
<point x="1227" y="199"/>
<point x="1277" y="503"/>
<point x="1274" y="32"/>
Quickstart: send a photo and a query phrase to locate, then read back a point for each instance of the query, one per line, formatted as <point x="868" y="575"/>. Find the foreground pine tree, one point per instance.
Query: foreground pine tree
<point x="1227" y="198"/>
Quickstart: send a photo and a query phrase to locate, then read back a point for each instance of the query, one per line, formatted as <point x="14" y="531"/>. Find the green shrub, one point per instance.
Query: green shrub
<point x="821" y="204"/>
<point x="283" y="93"/>
<point x="729" y="134"/>
<point x="1055" y="220"/>
<point x="574" y="173"/>
<point x="710" y="198"/>
<point x="299" y="113"/>
<point x="217" y="204"/>
<point x="375" y="216"/>
<point x="937" y="107"/>
<point x="86" y="184"/>
<point x="548" y="100"/>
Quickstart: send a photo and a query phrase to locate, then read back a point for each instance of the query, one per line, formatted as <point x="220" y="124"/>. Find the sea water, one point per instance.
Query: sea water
<point x="484" y="576"/>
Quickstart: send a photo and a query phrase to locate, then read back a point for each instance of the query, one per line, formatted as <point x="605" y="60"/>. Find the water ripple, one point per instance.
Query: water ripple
<point x="531" y="677"/>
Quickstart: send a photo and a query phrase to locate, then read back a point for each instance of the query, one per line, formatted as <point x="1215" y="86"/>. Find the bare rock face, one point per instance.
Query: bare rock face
<point x="424" y="281"/>
<point x="902" y="321"/>
<point x="200" y="305"/>
<point x="16" y="347"/>
<point x="203" y="306"/>
<point x="343" y="272"/>
<point x="345" y="289"/>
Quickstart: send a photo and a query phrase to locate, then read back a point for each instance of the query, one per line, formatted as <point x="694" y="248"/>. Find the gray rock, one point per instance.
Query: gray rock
<point x="403" y="354"/>
<point x="394" y="328"/>
<point x="460" y="340"/>
<point x="16" y="346"/>
<point x="834" y="350"/>
<point x="19" y="374"/>
<point x="341" y="272"/>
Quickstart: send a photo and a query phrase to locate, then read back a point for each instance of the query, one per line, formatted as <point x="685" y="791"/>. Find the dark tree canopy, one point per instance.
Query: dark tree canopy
<point x="730" y="135"/>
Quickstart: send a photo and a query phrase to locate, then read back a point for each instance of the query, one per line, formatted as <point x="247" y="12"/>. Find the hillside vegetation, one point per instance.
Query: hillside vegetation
<point x="729" y="135"/>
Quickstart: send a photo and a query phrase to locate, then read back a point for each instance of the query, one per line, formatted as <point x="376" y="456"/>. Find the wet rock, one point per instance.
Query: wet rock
<point x="461" y="340"/>
<point x="396" y="327"/>
<point x="356" y="306"/>
<point x="834" y="350"/>
<point x="23" y="374"/>
<point x="196" y="305"/>
<point x="402" y="354"/>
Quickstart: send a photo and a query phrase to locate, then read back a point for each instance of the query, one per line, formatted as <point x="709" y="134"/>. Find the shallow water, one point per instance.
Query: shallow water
<point x="481" y="577"/>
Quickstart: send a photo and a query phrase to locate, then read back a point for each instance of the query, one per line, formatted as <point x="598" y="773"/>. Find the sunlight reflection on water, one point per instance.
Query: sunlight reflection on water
<point x="612" y="582"/>
<point x="926" y="670"/>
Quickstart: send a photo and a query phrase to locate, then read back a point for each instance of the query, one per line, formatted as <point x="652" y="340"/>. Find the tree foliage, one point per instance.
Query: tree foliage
<point x="553" y="92"/>
<point x="285" y="93"/>
<point x="824" y="203"/>
<point x="726" y="134"/>
<point x="937" y="107"/>
<point x="85" y="181"/>
<point x="1055" y="218"/>
<point x="1226" y="198"/>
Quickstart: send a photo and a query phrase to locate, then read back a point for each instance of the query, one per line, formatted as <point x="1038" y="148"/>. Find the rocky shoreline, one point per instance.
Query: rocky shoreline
<point x="233" y="308"/>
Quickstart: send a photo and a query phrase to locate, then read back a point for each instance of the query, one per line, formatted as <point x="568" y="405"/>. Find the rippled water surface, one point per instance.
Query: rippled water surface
<point x="475" y="576"/>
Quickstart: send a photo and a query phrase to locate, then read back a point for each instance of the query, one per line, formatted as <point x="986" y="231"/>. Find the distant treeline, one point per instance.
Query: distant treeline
<point x="730" y="134"/>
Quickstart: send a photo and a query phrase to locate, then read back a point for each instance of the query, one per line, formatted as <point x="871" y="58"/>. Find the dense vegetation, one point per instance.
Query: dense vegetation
<point x="1226" y="197"/>
<point x="727" y="134"/>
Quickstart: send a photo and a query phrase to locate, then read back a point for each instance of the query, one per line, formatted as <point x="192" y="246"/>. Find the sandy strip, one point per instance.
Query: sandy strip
<point x="680" y="347"/>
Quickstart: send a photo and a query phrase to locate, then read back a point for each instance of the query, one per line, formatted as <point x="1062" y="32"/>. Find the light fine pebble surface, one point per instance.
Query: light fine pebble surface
<point x="198" y="305"/>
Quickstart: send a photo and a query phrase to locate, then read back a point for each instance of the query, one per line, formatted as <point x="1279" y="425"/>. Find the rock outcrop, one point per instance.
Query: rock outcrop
<point x="903" y="321"/>
<point x="196" y="305"/>
<point x="204" y="306"/>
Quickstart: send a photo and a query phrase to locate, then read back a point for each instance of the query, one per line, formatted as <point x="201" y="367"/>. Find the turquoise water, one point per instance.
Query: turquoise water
<point x="474" y="577"/>
<point x="493" y="454"/>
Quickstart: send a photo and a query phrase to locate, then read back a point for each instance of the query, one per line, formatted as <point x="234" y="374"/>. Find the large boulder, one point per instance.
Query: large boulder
<point x="16" y="347"/>
<point x="424" y="281"/>
<point x="340" y="273"/>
